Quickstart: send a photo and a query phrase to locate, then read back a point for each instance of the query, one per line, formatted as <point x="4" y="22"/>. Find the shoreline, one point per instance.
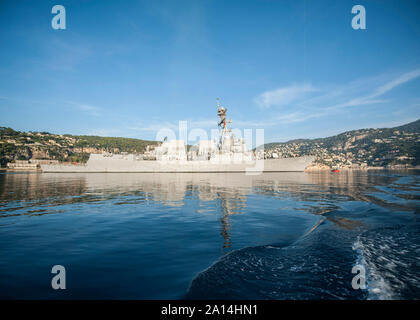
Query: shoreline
<point x="360" y="169"/>
<point x="310" y="170"/>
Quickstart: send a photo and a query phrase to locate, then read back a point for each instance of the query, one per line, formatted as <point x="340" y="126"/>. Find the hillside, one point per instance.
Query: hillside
<point x="16" y="145"/>
<point x="385" y="147"/>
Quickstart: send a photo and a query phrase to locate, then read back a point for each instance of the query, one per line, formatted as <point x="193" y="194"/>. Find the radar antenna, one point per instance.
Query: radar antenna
<point x="221" y="112"/>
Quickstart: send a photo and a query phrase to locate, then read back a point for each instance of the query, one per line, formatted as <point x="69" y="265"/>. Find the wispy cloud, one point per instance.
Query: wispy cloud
<point x="379" y="91"/>
<point x="67" y="55"/>
<point x="284" y="96"/>
<point x="398" y="81"/>
<point x="155" y="126"/>
<point x="301" y="102"/>
<point x="304" y="101"/>
<point x="104" y="132"/>
<point x="86" y="108"/>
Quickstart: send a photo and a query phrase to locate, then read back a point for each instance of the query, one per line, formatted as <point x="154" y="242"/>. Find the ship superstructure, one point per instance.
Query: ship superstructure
<point x="227" y="147"/>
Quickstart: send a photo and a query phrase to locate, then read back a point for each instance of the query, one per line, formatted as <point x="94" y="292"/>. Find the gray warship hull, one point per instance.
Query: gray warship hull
<point x="130" y="163"/>
<point x="229" y="155"/>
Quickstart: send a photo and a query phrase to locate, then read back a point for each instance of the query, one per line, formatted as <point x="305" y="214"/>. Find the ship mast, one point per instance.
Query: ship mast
<point x="221" y="112"/>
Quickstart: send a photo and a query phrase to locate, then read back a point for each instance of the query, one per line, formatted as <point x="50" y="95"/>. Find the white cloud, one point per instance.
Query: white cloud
<point x="396" y="82"/>
<point x="284" y="96"/>
<point x="323" y="101"/>
<point x="90" y="109"/>
<point x="87" y="108"/>
<point x="379" y="91"/>
<point x="153" y="127"/>
<point x="104" y="132"/>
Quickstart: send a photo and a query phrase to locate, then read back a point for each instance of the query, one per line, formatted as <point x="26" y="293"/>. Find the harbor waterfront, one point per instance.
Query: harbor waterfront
<point x="210" y="235"/>
<point x="363" y="149"/>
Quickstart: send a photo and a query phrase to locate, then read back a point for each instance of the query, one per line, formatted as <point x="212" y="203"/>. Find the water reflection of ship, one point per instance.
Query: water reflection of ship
<point x="318" y="194"/>
<point x="319" y="191"/>
<point x="35" y="186"/>
<point x="360" y="186"/>
<point x="228" y="191"/>
<point x="230" y="203"/>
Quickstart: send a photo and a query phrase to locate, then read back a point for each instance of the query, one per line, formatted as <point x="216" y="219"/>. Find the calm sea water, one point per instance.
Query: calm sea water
<point x="177" y="236"/>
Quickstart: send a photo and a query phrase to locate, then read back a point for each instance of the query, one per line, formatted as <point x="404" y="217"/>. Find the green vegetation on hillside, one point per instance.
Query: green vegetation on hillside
<point x="16" y="145"/>
<point x="112" y="143"/>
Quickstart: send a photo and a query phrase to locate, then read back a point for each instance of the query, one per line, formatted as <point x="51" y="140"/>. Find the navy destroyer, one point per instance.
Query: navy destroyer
<point x="226" y="154"/>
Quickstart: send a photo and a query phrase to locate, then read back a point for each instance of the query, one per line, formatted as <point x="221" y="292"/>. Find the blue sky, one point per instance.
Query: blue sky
<point x="296" y="68"/>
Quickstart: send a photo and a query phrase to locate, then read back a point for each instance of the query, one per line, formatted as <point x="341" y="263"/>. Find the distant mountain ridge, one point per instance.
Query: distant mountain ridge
<point x="383" y="147"/>
<point x="413" y="127"/>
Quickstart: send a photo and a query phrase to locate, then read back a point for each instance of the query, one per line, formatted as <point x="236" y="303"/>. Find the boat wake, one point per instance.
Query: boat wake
<point x="319" y="267"/>
<point x="315" y="267"/>
<point x="391" y="258"/>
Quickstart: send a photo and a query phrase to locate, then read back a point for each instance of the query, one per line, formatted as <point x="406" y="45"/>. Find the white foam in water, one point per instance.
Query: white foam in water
<point x="378" y="288"/>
